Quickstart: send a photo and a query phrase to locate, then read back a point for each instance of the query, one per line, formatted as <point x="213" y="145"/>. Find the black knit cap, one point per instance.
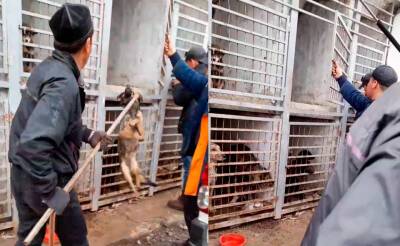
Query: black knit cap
<point x="385" y="75"/>
<point x="71" y="25"/>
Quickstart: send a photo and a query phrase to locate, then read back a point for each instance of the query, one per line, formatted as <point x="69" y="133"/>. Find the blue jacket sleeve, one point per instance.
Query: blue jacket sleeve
<point x="190" y="79"/>
<point x="353" y="96"/>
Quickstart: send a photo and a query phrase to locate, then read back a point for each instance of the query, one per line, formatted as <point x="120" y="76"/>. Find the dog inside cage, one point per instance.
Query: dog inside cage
<point x="242" y="165"/>
<point x="248" y="55"/>
<point x="312" y="155"/>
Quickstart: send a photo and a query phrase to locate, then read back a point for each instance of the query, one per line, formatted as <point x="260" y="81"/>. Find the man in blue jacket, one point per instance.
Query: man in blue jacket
<point x="374" y="84"/>
<point x="197" y="84"/>
<point x="196" y="58"/>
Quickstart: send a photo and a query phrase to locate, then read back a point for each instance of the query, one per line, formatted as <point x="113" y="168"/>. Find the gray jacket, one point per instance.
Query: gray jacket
<point x="47" y="132"/>
<point x="361" y="202"/>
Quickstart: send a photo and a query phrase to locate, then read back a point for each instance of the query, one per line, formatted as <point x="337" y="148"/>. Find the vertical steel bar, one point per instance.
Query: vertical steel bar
<point x="161" y="113"/>
<point x="291" y="44"/>
<point x="101" y="99"/>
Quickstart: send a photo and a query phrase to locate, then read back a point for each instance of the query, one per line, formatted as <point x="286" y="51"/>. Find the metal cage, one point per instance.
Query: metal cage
<point x="38" y="40"/>
<point x="114" y="187"/>
<point x="249" y="51"/>
<point x="312" y="147"/>
<point x="242" y="185"/>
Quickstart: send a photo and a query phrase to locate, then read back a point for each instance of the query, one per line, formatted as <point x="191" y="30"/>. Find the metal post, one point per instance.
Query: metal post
<point x="352" y="67"/>
<point x="13" y="15"/>
<point x="101" y="99"/>
<point x="161" y="114"/>
<point x="281" y="179"/>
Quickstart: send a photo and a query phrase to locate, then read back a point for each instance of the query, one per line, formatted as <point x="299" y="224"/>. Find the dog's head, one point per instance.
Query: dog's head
<point x="28" y="34"/>
<point x="216" y="54"/>
<point x="216" y="153"/>
<point x="306" y="155"/>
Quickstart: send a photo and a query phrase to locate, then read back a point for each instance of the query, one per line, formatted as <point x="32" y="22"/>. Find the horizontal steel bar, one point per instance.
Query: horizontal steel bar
<point x="364" y="66"/>
<point x="240" y="184"/>
<point x="245" y="44"/>
<point x="191" y="6"/>
<point x="235" y="204"/>
<point x="249" y="31"/>
<point x="245" y="94"/>
<point x="240" y="173"/>
<point x="248" y="57"/>
<point x="191" y="31"/>
<point x="252" y="71"/>
<point x="310" y="156"/>
<point x="313" y="136"/>
<point x="221" y="164"/>
<point x="189" y="41"/>
<point x="247" y="118"/>
<point x="306" y="182"/>
<point x="241" y="141"/>
<point x="312" y="164"/>
<point x="252" y="82"/>
<point x="305" y="123"/>
<point x="241" y="193"/>
<point x="214" y="6"/>
<point x="192" y="19"/>
<point x="369" y="58"/>
<point x="305" y="174"/>
<point x="305" y="191"/>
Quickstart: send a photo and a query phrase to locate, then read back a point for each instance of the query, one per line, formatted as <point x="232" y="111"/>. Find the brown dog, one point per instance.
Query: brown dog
<point x="216" y="69"/>
<point x="130" y="134"/>
<point x="28" y="51"/>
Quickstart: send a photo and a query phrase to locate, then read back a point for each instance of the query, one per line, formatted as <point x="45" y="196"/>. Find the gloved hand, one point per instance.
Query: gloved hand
<point x="58" y="201"/>
<point x="100" y="136"/>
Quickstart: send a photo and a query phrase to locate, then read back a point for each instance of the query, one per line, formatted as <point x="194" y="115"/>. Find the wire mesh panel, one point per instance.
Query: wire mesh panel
<point x="191" y="17"/>
<point x="372" y="44"/>
<point x="312" y="154"/>
<point x="3" y="43"/>
<point x="249" y="47"/>
<point x="84" y="186"/>
<point x="342" y="53"/>
<point x="5" y="190"/>
<point x="38" y="40"/>
<point x="169" y="163"/>
<point x="190" y="29"/>
<point x="242" y="180"/>
<point x="114" y="187"/>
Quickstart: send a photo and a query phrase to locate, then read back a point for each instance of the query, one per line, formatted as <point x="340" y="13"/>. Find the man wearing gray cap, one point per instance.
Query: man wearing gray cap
<point x="374" y="85"/>
<point x="47" y="132"/>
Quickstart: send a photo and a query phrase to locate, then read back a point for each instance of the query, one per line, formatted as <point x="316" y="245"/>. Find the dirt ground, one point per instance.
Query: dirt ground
<point x="144" y="222"/>
<point x="148" y="222"/>
<point x="288" y="231"/>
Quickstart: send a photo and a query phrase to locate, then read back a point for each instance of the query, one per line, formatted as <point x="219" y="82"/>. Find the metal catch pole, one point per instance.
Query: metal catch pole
<point x="35" y="230"/>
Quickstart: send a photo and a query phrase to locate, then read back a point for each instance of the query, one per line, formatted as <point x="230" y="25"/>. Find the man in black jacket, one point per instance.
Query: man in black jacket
<point x="47" y="131"/>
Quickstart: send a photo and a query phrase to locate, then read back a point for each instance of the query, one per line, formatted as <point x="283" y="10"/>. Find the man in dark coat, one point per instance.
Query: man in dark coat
<point x="374" y="84"/>
<point x="361" y="202"/>
<point x="47" y="132"/>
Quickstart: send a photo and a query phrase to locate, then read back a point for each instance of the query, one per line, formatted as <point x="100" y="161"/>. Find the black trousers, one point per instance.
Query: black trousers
<point x="70" y="226"/>
<point x="190" y="210"/>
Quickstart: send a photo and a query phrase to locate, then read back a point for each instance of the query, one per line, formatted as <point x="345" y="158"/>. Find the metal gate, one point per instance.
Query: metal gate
<point x="249" y="53"/>
<point x="37" y="45"/>
<point x="242" y="183"/>
<point x="190" y="28"/>
<point x="114" y="187"/>
<point x="341" y="53"/>
<point x="5" y="121"/>
<point x="312" y="155"/>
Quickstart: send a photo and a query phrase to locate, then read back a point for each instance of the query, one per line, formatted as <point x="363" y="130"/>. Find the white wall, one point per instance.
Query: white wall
<point x="394" y="54"/>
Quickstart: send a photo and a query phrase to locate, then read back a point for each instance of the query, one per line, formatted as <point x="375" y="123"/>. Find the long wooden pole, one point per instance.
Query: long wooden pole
<point x="45" y="217"/>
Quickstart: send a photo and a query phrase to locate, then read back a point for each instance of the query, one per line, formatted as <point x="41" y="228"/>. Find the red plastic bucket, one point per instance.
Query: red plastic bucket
<point x="232" y="239"/>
